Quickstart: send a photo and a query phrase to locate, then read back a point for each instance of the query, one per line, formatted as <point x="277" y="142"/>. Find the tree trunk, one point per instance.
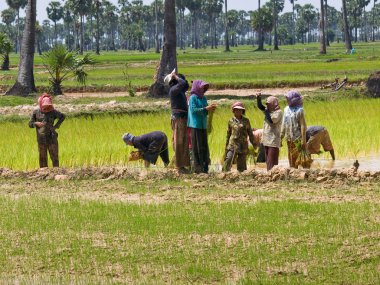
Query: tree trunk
<point x="81" y="33"/>
<point x="326" y="25"/>
<point x="227" y="44"/>
<point x="275" y="39"/>
<point x="322" y="36"/>
<point x="97" y="30"/>
<point x="5" y="64"/>
<point x="261" y="34"/>
<point x="169" y="54"/>
<point x="156" y="28"/>
<point x="347" y="38"/>
<point x="25" y="79"/>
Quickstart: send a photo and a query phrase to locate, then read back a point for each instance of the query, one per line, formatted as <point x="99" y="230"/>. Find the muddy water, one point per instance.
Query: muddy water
<point x="366" y="163"/>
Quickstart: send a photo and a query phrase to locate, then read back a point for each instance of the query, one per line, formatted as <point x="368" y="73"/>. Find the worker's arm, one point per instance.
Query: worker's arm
<point x="302" y="122"/>
<point x="250" y="134"/>
<point x="61" y="117"/>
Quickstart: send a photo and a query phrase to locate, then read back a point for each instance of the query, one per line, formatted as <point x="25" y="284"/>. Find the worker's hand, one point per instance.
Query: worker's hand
<point x="303" y="145"/>
<point x="39" y="124"/>
<point x="211" y="107"/>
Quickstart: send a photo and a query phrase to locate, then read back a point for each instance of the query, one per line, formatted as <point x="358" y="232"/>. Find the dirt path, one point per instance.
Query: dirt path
<point x="233" y="92"/>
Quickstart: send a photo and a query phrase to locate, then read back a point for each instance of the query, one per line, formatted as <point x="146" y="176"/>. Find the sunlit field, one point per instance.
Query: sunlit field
<point x="243" y="67"/>
<point x="96" y="140"/>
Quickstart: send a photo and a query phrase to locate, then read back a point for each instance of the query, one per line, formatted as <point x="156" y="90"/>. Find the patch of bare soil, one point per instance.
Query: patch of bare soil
<point x="100" y="183"/>
<point x="231" y="92"/>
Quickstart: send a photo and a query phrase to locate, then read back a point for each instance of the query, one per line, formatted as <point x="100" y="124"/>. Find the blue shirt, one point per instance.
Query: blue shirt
<point x="197" y="116"/>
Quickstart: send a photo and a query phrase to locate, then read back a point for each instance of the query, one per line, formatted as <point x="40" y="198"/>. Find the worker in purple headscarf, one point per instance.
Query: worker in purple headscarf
<point x="294" y="126"/>
<point x="197" y="122"/>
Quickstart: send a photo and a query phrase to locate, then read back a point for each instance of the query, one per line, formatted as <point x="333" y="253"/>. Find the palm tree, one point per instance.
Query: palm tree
<point x="294" y="22"/>
<point x="63" y="64"/>
<point x="25" y="79"/>
<point x="5" y="49"/>
<point x="8" y="16"/>
<point x="347" y="36"/>
<point x="55" y="13"/>
<point x="81" y="8"/>
<point x="17" y="5"/>
<point x="169" y="55"/>
<point x="227" y="44"/>
<point x="322" y="36"/>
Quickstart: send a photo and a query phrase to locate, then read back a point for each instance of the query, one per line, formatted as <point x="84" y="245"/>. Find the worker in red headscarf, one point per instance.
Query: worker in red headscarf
<point x="43" y="119"/>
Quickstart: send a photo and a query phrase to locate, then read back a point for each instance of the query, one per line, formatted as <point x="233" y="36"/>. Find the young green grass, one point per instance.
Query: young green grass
<point x="291" y="66"/>
<point x="96" y="140"/>
<point x="59" y="232"/>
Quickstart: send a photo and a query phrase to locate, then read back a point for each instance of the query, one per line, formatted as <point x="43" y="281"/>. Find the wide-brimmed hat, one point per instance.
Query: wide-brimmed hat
<point x="168" y="78"/>
<point x="238" y="105"/>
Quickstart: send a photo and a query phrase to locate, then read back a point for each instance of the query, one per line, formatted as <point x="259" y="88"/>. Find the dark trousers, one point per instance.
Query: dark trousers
<point x="241" y="161"/>
<point x="159" y="147"/>
<point x="200" y="150"/>
<point x="271" y="156"/>
<point x="53" y="152"/>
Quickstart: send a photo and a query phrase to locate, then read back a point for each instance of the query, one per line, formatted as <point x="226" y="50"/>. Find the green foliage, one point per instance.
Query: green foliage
<point x="194" y="231"/>
<point x="96" y="139"/>
<point x="63" y="64"/>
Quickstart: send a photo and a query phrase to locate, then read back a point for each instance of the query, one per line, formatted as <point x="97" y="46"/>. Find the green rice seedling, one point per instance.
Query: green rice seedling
<point x="97" y="140"/>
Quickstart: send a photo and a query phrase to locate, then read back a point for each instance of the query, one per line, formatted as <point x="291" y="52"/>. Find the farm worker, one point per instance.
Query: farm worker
<point x="178" y="101"/>
<point x="272" y="129"/>
<point x="239" y="130"/>
<point x="151" y="146"/>
<point x="197" y="122"/>
<point x="317" y="136"/>
<point x="258" y="138"/>
<point x="43" y="120"/>
<point x="294" y="126"/>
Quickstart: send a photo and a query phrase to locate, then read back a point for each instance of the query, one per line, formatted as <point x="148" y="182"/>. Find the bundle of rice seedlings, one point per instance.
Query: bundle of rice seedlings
<point x="304" y="157"/>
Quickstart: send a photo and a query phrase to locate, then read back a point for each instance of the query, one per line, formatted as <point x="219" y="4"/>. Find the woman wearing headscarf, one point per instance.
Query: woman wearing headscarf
<point x="294" y="126"/>
<point x="272" y="129"/>
<point x="197" y="122"/>
<point x="43" y="119"/>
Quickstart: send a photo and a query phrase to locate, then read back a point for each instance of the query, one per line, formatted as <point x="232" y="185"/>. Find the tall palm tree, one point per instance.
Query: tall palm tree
<point x="55" y="13"/>
<point x="17" y="5"/>
<point x="169" y="55"/>
<point x="322" y="35"/>
<point x="25" y="79"/>
<point x="373" y="20"/>
<point x="294" y="22"/>
<point x="347" y="36"/>
<point x="227" y="44"/>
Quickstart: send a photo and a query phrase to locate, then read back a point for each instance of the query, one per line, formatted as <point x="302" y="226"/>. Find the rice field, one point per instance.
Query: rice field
<point x="96" y="140"/>
<point x="290" y="66"/>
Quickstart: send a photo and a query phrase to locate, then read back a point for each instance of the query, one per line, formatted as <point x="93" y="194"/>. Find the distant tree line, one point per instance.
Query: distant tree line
<point x="96" y="25"/>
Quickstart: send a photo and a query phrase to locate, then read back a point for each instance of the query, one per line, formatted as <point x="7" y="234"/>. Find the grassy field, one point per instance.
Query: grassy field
<point x="188" y="231"/>
<point x="291" y="66"/>
<point x="96" y="140"/>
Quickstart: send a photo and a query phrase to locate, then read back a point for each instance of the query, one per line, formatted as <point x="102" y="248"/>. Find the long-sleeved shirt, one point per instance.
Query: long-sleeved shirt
<point x="294" y="124"/>
<point x="197" y="118"/>
<point x="178" y="100"/>
<point x="47" y="133"/>
<point x="151" y="144"/>
<point x="272" y="131"/>
<point x="237" y="133"/>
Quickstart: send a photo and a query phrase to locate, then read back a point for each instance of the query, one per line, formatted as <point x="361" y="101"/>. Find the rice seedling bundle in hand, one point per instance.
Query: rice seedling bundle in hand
<point x="304" y="157"/>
